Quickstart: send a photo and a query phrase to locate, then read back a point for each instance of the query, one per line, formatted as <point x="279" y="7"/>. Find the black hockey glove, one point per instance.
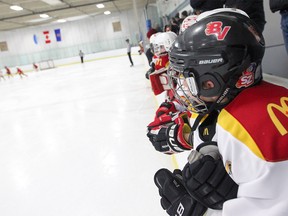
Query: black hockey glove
<point x="207" y="181"/>
<point x="169" y="138"/>
<point x="151" y="70"/>
<point x="174" y="197"/>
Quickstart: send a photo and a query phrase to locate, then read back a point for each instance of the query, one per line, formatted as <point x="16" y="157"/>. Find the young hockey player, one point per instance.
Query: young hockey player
<point x="170" y="110"/>
<point x="170" y="130"/>
<point x="239" y="164"/>
<point x="151" y="63"/>
<point x="168" y="116"/>
<point x="8" y="72"/>
<point x="160" y="46"/>
<point x="20" y="72"/>
<point x="141" y="48"/>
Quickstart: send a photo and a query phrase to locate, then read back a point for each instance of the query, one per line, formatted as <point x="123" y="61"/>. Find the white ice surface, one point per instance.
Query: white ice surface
<point x="73" y="142"/>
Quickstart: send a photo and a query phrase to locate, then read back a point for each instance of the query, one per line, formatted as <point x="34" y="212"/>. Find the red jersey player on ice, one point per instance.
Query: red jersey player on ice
<point x="8" y="72"/>
<point x="20" y="72"/>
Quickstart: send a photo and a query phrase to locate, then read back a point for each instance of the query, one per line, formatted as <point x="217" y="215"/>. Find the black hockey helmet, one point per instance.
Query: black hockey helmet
<point x="224" y="47"/>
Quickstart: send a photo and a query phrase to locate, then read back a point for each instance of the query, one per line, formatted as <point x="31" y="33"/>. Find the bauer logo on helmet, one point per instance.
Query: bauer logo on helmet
<point x="211" y="61"/>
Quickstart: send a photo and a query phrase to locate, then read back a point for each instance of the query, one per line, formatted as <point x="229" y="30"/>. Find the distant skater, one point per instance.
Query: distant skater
<point x="129" y="52"/>
<point x="8" y="72"/>
<point x="21" y="73"/>
<point x="35" y="67"/>
<point x="81" y="54"/>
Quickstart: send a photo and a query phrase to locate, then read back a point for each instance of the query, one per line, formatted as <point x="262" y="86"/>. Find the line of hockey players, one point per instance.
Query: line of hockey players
<point x="19" y="71"/>
<point x="218" y="107"/>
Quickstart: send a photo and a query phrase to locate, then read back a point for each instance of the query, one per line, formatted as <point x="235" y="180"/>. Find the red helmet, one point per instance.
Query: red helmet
<point x="151" y="32"/>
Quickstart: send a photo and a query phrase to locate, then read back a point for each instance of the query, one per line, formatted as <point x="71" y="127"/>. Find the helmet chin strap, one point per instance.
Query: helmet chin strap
<point x="228" y="88"/>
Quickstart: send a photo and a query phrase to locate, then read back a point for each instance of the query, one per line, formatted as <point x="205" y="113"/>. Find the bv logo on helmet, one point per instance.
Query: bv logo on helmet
<point x="215" y="28"/>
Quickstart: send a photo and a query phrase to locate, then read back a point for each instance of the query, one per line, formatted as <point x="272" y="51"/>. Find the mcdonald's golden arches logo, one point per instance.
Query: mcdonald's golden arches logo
<point x="206" y="132"/>
<point x="283" y="108"/>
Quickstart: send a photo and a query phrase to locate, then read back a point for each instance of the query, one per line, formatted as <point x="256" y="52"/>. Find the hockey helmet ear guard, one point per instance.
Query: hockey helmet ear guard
<point x="217" y="49"/>
<point x="192" y="81"/>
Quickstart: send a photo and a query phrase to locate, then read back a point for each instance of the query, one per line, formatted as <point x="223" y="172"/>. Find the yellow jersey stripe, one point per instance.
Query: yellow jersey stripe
<point x="235" y="128"/>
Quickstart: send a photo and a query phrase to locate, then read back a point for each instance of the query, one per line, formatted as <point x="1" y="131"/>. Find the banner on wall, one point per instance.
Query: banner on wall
<point x="44" y="37"/>
<point x="47" y="39"/>
<point x="35" y="38"/>
<point x="57" y="34"/>
<point x="148" y="24"/>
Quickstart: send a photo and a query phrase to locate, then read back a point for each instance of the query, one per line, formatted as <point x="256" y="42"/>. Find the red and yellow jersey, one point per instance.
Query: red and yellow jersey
<point x="159" y="78"/>
<point x="252" y="136"/>
<point x="8" y="70"/>
<point x="161" y="63"/>
<point x="258" y="117"/>
<point x="19" y="71"/>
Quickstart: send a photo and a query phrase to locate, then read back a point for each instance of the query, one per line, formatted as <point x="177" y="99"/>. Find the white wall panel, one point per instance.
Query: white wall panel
<point x="91" y="35"/>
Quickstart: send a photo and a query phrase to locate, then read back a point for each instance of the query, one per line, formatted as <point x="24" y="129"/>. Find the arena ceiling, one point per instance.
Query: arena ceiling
<point x="68" y="10"/>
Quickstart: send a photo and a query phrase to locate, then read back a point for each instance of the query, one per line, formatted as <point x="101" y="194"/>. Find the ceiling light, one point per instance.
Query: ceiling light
<point x="44" y="16"/>
<point x="61" y="20"/>
<point x="52" y="2"/>
<point x="77" y="17"/>
<point x="107" y="12"/>
<point x="16" y="8"/>
<point x="38" y="20"/>
<point x="100" y="6"/>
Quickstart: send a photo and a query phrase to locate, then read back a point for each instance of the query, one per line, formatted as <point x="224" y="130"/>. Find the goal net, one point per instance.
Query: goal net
<point x="46" y="64"/>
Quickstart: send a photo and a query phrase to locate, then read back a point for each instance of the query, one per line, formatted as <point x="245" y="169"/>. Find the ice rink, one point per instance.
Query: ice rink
<point x="73" y="141"/>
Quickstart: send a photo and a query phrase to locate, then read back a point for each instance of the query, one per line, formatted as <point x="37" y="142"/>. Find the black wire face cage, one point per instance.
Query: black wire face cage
<point x="186" y="91"/>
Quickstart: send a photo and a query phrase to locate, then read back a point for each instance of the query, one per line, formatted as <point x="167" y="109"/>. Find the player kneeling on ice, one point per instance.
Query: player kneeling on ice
<point x="239" y="166"/>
